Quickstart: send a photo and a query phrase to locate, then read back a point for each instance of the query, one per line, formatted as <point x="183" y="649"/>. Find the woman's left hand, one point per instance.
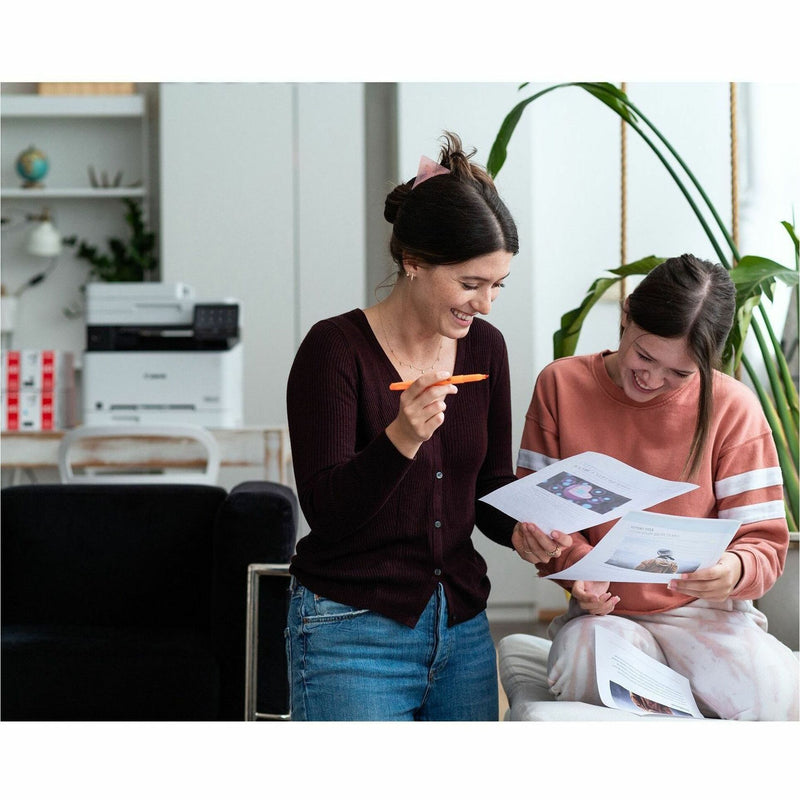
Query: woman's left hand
<point x="594" y="597"/>
<point x="711" y="583"/>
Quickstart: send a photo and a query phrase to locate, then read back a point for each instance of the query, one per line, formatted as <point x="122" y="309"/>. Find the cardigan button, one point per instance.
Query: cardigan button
<point x="437" y="524"/>
<point x="437" y="572"/>
<point x="439" y="475"/>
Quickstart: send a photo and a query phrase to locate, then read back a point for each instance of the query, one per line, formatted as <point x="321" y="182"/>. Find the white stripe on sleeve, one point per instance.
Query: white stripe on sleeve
<point x="532" y="460"/>
<point x="746" y="481"/>
<point x="758" y="512"/>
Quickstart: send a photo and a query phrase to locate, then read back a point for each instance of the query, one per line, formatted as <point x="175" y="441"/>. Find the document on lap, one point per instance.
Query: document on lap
<point x="631" y="680"/>
<point x="582" y="491"/>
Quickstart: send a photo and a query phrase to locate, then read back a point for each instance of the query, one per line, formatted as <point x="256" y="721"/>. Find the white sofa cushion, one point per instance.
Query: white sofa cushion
<point x="523" y="675"/>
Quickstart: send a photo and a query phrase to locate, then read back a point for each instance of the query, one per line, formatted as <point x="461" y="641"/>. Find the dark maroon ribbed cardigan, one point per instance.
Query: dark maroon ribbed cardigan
<point x="386" y="529"/>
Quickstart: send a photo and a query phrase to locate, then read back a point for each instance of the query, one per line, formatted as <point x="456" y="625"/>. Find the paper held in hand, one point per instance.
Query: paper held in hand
<point x="652" y="548"/>
<point x="582" y="491"/>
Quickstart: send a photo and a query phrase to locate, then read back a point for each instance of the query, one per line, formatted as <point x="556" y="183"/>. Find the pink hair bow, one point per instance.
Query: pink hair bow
<point x="427" y="169"/>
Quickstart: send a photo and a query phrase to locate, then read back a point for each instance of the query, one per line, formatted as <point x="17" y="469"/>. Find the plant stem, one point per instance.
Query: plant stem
<point x="722" y="257"/>
<point x="778" y="394"/>
<point x="788" y="469"/>
<point x="790" y="390"/>
<point x="695" y="182"/>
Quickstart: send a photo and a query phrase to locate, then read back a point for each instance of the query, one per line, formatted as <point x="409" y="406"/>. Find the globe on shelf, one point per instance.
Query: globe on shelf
<point x="32" y="165"/>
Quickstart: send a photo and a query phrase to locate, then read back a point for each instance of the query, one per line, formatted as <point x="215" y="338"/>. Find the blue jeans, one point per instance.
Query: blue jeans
<point x="353" y="664"/>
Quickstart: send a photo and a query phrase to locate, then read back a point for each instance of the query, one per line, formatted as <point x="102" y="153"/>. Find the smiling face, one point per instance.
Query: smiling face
<point x="449" y="296"/>
<point x="647" y="365"/>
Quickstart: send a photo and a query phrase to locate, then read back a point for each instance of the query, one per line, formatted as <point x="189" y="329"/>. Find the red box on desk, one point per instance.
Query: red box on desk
<point x="44" y="370"/>
<point x="38" y="411"/>
<point x="38" y="390"/>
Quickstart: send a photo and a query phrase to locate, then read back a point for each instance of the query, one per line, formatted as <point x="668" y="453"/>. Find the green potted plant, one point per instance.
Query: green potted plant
<point x="754" y="276"/>
<point x="134" y="260"/>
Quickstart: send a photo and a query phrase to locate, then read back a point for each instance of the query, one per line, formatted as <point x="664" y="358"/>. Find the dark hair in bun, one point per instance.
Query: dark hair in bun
<point x="452" y="217"/>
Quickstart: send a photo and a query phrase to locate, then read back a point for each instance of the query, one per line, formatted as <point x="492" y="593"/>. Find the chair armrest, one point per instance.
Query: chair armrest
<point x="256" y="524"/>
<point x="254" y="573"/>
<point x="253" y="507"/>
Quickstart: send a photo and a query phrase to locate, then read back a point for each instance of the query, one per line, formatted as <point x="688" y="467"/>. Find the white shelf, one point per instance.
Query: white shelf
<point x="33" y="105"/>
<point x="86" y="193"/>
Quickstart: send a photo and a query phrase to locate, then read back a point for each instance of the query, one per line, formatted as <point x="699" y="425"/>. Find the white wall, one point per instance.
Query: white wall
<point x="770" y="181"/>
<point x="474" y="112"/>
<point x="331" y="234"/>
<point x="262" y="200"/>
<point x="577" y="216"/>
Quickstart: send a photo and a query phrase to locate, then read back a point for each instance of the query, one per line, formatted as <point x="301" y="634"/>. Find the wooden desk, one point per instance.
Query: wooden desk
<point x="263" y="447"/>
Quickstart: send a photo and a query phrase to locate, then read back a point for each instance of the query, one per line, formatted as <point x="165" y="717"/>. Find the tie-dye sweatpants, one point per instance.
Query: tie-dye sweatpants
<point x="736" y="669"/>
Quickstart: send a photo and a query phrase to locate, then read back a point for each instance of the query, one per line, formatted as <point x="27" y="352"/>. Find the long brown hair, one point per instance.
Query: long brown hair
<point x="686" y="296"/>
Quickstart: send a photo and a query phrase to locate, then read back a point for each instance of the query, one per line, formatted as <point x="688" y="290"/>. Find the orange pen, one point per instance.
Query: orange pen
<point x="402" y="385"/>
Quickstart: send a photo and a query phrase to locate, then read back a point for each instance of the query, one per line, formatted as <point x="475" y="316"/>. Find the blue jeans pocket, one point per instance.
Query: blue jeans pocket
<point x="322" y="610"/>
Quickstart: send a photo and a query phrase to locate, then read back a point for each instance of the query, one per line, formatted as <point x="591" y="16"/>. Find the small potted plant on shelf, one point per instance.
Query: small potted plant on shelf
<point x="134" y="260"/>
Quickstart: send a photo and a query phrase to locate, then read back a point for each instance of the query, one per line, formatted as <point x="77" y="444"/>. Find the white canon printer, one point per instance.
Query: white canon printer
<point x="156" y="355"/>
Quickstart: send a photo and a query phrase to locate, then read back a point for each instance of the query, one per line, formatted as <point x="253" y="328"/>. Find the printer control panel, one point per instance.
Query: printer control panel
<point x="216" y="320"/>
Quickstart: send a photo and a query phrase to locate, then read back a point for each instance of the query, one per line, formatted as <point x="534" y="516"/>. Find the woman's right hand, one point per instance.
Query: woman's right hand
<point x="422" y="408"/>
<point x="534" y="545"/>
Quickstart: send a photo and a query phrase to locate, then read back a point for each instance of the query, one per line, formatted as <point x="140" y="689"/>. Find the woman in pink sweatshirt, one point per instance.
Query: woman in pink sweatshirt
<point x="658" y="404"/>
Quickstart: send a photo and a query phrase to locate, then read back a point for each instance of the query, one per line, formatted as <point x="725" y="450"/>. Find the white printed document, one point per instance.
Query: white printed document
<point x="582" y="491"/>
<point x="631" y="680"/>
<point x="653" y="548"/>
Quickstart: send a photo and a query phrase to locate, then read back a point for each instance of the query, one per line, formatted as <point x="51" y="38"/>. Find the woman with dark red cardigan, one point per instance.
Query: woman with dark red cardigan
<point x="387" y="619"/>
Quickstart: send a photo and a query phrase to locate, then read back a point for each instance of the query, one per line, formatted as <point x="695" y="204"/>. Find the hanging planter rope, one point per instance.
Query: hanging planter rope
<point x="623" y="191"/>
<point x="734" y="173"/>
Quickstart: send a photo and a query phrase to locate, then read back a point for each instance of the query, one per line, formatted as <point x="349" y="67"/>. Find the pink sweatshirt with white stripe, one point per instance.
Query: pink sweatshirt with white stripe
<point x="577" y="407"/>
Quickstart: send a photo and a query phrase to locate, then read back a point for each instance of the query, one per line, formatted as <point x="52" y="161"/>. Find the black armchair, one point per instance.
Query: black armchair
<point x="129" y="602"/>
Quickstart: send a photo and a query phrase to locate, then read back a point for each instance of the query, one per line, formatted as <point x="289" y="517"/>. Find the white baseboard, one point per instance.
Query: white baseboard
<point x="523" y="613"/>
